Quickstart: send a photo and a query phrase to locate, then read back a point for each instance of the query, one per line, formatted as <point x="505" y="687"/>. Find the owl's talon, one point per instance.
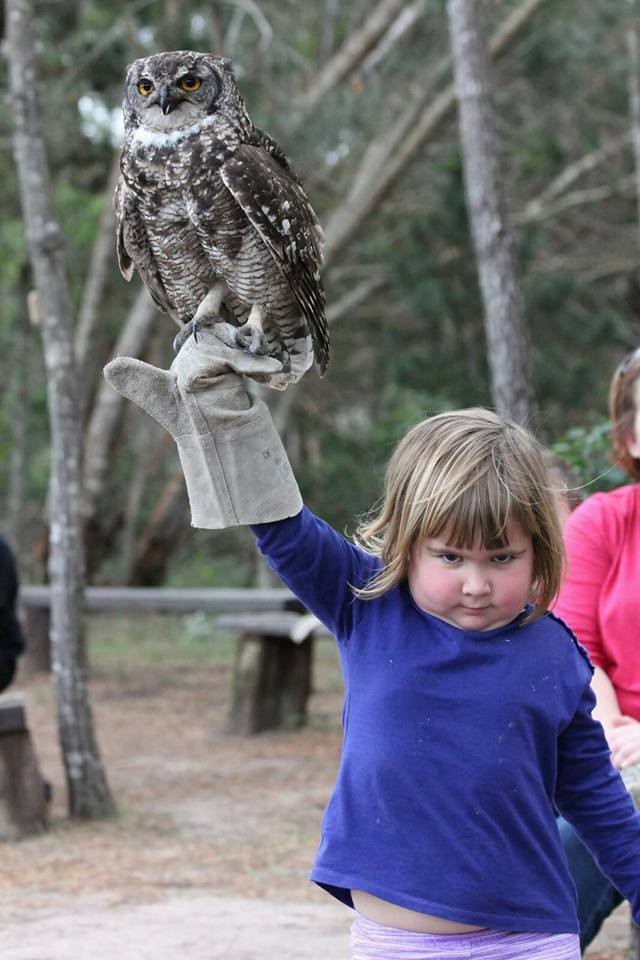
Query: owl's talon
<point x="192" y="328"/>
<point x="252" y="340"/>
<point x="181" y="337"/>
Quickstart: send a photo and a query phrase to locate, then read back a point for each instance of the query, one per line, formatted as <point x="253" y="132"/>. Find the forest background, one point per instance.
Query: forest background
<point x="401" y="281"/>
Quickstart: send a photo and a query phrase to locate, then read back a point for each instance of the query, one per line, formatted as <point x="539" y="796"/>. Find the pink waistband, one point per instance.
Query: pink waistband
<point x="373" y="941"/>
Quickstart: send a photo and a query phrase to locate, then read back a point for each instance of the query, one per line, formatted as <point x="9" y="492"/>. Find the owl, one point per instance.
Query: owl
<point x="213" y="218"/>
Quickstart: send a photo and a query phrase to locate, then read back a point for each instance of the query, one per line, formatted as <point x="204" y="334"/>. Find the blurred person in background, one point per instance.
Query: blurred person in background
<point x="600" y="600"/>
<point x="12" y="642"/>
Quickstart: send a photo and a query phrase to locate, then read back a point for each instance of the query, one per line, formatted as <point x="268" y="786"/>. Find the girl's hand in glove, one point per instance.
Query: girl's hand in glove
<point x="235" y="466"/>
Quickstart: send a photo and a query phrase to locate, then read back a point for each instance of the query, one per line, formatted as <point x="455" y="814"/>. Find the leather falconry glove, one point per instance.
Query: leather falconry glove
<point x="234" y="463"/>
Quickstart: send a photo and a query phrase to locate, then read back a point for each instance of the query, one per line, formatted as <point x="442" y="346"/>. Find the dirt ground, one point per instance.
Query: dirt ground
<point x="215" y="835"/>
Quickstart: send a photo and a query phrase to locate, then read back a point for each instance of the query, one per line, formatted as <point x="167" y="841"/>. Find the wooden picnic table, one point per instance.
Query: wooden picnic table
<point x="274" y="647"/>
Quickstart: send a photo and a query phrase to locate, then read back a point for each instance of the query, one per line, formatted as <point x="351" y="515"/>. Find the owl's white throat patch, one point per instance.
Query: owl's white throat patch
<point x="162" y="138"/>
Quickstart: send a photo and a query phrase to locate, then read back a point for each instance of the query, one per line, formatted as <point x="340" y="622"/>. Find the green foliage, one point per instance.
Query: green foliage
<point x="588" y="452"/>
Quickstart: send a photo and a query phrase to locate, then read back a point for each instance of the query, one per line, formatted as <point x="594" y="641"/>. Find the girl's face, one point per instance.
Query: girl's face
<point x="473" y="589"/>
<point x="634" y="442"/>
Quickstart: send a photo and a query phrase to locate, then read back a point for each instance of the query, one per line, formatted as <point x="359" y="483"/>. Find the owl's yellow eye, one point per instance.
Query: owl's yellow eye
<point x="190" y="84"/>
<point x="145" y="87"/>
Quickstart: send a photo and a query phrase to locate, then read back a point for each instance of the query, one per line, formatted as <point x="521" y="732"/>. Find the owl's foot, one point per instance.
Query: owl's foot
<point x="252" y="339"/>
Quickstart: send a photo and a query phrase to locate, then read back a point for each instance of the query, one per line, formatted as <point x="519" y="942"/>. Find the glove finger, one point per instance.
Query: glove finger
<point x="153" y="389"/>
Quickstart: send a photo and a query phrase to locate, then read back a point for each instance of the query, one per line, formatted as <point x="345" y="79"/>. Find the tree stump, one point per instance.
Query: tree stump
<point x="23" y="807"/>
<point x="272" y="673"/>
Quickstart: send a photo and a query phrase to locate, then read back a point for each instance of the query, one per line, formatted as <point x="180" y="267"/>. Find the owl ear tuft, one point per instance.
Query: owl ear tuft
<point x="219" y="63"/>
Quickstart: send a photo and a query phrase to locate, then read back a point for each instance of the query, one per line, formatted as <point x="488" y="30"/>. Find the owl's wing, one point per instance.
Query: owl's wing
<point x="272" y="198"/>
<point x="134" y="250"/>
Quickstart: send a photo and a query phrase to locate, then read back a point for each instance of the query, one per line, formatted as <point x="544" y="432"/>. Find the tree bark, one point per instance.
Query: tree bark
<point x="507" y="340"/>
<point x="89" y="794"/>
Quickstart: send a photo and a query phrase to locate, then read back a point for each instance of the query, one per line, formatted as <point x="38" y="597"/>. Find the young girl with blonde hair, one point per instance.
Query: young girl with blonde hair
<point x="467" y="711"/>
<point x="467" y="706"/>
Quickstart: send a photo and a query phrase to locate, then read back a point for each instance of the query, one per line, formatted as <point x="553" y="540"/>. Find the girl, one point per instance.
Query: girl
<point x="467" y="707"/>
<point x="467" y="715"/>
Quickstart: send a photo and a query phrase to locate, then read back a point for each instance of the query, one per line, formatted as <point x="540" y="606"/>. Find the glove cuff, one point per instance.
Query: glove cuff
<point x="239" y="476"/>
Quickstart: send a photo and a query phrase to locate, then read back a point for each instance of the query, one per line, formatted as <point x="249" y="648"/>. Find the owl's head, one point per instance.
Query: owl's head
<point x="168" y="91"/>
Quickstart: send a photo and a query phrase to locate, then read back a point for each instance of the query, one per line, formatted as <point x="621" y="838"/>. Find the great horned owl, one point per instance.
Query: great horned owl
<point x="212" y="216"/>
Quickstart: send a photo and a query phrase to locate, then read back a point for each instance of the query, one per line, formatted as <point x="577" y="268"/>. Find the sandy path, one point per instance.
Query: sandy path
<point x="200" y="927"/>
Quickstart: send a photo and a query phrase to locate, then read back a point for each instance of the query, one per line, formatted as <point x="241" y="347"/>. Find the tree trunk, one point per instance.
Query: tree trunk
<point x="89" y="794"/>
<point x="507" y="341"/>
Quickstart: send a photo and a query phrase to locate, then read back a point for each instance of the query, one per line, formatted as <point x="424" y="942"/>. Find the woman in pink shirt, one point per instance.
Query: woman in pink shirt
<point x="600" y="600"/>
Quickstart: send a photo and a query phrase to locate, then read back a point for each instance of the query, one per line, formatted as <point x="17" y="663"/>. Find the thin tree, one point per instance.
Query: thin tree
<point x="89" y="794"/>
<point x="507" y="341"/>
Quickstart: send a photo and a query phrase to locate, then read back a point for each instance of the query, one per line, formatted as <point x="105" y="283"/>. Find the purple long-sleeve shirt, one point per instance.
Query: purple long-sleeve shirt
<point x="459" y="747"/>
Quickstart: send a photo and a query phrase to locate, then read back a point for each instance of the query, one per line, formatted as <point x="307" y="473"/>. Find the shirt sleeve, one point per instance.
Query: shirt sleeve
<point x="589" y="557"/>
<point x="11" y="636"/>
<point x="591" y="795"/>
<point x="318" y="565"/>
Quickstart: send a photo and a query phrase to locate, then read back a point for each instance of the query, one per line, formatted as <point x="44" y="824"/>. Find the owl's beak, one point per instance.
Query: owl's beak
<point x="166" y="103"/>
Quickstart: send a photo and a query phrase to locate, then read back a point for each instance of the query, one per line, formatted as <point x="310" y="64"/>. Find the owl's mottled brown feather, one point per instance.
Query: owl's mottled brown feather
<point x="133" y="248"/>
<point x="279" y="210"/>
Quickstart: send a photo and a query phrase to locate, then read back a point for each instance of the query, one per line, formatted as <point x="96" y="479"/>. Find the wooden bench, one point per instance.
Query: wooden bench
<point x="34" y="602"/>
<point x="272" y="673"/>
<point x="272" y="670"/>
<point x="23" y="806"/>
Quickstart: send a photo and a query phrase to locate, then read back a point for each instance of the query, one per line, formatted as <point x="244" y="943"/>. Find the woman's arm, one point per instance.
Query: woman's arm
<point x="622" y="732"/>
<point x="606" y="708"/>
